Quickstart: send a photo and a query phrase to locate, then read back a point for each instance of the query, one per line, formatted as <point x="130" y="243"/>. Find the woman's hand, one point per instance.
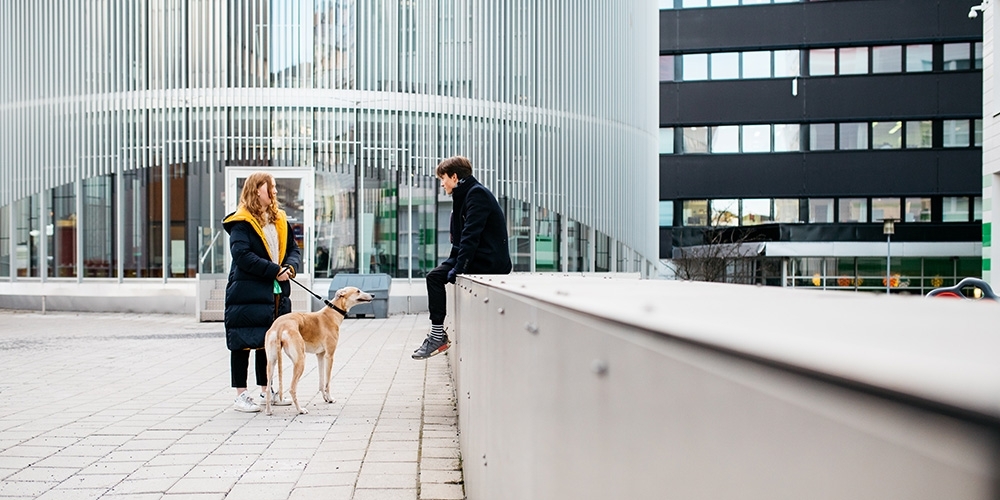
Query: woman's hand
<point x="284" y="274"/>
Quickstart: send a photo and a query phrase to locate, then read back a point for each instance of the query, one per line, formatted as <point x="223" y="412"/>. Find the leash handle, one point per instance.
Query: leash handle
<point x="325" y="301"/>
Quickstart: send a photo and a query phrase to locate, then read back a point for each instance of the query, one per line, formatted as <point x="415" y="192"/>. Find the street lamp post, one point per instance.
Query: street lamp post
<point x="888" y="228"/>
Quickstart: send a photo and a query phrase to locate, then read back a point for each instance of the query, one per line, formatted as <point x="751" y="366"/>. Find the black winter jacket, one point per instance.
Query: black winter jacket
<point x="478" y="231"/>
<point x="250" y="291"/>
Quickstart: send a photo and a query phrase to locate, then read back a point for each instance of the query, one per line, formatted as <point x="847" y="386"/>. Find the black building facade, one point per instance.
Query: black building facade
<point x="796" y="129"/>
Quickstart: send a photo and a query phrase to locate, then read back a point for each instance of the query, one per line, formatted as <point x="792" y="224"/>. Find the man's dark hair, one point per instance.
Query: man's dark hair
<point x="457" y="165"/>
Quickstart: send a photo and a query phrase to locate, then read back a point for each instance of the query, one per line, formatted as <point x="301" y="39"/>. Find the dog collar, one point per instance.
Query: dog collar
<point x="335" y="308"/>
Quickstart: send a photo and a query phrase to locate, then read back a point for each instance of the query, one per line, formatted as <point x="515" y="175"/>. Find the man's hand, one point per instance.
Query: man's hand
<point x="451" y="275"/>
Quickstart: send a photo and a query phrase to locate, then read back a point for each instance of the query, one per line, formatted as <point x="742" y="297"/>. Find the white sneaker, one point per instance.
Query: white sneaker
<point x="275" y="400"/>
<point x="245" y="403"/>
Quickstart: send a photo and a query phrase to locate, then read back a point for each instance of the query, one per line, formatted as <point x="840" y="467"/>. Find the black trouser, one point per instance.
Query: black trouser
<point x="239" y="361"/>
<point x="437" y="301"/>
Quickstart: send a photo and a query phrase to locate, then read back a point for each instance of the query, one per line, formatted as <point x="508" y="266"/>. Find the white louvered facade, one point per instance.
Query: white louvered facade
<point x="120" y="121"/>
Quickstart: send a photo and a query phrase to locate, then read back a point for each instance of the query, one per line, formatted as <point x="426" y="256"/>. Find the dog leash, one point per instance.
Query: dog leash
<point x="325" y="301"/>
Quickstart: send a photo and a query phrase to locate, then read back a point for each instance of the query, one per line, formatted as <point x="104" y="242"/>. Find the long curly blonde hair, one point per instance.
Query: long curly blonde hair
<point x="250" y="200"/>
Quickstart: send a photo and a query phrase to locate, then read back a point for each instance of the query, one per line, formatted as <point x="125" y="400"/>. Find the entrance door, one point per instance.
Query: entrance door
<point x="295" y="197"/>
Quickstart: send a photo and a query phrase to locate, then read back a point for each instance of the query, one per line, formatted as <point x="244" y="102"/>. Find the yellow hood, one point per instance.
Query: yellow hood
<point x="281" y="224"/>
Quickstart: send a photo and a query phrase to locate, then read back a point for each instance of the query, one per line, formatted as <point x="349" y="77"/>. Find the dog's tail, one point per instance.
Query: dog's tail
<point x="281" y="377"/>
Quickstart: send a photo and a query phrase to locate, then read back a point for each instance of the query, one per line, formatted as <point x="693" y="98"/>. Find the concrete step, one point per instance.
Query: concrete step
<point x="212" y="315"/>
<point x="217" y="294"/>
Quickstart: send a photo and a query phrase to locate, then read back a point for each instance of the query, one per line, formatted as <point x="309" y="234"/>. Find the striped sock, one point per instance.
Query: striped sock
<point x="437" y="333"/>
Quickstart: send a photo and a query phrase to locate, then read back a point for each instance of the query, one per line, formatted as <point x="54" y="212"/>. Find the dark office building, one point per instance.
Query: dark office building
<point x="790" y="131"/>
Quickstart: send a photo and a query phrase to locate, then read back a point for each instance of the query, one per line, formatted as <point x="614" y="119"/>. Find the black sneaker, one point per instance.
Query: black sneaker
<point x="431" y="347"/>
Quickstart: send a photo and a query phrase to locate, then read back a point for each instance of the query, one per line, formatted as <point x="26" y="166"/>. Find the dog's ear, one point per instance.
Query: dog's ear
<point x="340" y="293"/>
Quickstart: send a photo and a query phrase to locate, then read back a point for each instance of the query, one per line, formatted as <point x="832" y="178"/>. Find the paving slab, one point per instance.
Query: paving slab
<point x="104" y="406"/>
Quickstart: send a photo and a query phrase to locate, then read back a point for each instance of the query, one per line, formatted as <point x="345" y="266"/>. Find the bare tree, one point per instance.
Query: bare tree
<point x="725" y="255"/>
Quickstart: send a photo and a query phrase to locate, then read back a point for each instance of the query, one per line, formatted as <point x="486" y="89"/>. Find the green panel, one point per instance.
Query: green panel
<point x="987" y="234"/>
<point x="986" y="264"/>
<point x="987" y="180"/>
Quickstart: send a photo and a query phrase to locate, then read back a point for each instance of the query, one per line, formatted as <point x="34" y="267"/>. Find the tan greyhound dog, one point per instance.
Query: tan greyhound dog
<point x="298" y="333"/>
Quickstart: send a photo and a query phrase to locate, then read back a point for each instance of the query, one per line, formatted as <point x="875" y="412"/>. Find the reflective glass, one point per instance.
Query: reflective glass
<point x="956" y="134"/>
<point x="885" y="208"/>
<point x="917" y="210"/>
<point x="822" y="62"/>
<point x="694" y="213"/>
<point x="724" y="3"/>
<point x="60" y="231"/>
<point x="756" y="138"/>
<point x="694" y="3"/>
<point x="887" y="135"/>
<point x="853" y="60"/>
<point x="725" y="212"/>
<point x="977" y="208"/>
<point x="666" y="141"/>
<point x="887" y="59"/>
<point x="725" y="66"/>
<point x="919" y="58"/>
<point x="666" y="68"/>
<point x="977" y="55"/>
<point x="955" y="209"/>
<point x="143" y="230"/>
<point x="695" y="140"/>
<point x="977" y="130"/>
<point x="956" y="56"/>
<point x="27" y="236"/>
<point x="822" y="136"/>
<point x="757" y="64"/>
<point x="786" y="138"/>
<point x="99" y="232"/>
<point x="853" y="135"/>
<point x="853" y="210"/>
<point x="820" y="210"/>
<point x="335" y="219"/>
<point x="694" y="67"/>
<point x="578" y="247"/>
<point x="755" y="211"/>
<point x="786" y="210"/>
<point x="726" y="139"/>
<point x="666" y="213"/>
<point x="546" y="240"/>
<point x="786" y="63"/>
<point x="919" y="134"/>
<point x="5" y="241"/>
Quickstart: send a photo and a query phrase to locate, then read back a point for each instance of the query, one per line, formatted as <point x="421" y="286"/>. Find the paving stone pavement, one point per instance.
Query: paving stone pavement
<point x="139" y="406"/>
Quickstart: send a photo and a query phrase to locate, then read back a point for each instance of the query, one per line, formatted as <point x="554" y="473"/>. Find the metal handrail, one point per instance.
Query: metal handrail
<point x="211" y="246"/>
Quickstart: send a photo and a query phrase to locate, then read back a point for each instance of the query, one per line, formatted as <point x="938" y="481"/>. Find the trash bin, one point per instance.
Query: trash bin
<point x="376" y="284"/>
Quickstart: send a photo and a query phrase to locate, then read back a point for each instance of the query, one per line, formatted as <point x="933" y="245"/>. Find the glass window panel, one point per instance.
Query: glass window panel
<point x="694" y="67"/>
<point x="977" y="208"/>
<point x="917" y="210"/>
<point x="694" y="3"/>
<point x="666" y="68"/>
<point x="955" y="209"/>
<point x="939" y="272"/>
<point x="853" y="210"/>
<point x="919" y="134"/>
<point x="695" y="140"/>
<point x="5" y="241"/>
<point x="666" y="213"/>
<point x="786" y="137"/>
<point x="60" y="231"/>
<point x="887" y="135"/>
<point x="755" y="211"/>
<point x="726" y="66"/>
<point x="977" y="130"/>
<point x="854" y="136"/>
<point x="956" y="133"/>
<point x="666" y="141"/>
<point x="755" y="2"/>
<point x="695" y="212"/>
<point x="666" y="4"/>
<point x="726" y="139"/>
<point x="756" y="138"/>
<point x="786" y="210"/>
<point x="99" y="227"/>
<point x="885" y="208"/>
<point x="820" y="210"/>
<point x="725" y="212"/>
<point x="919" y="57"/>
<point x="822" y="62"/>
<point x="853" y="60"/>
<point x="724" y="3"/>
<point x="786" y="63"/>
<point x="956" y="56"/>
<point x="887" y="59"/>
<point x="822" y="136"/>
<point x="757" y="64"/>
<point x="969" y="266"/>
<point x="977" y="55"/>
<point x="27" y="236"/>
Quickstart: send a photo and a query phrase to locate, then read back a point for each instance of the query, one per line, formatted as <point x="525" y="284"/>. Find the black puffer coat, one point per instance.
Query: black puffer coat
<point x="250" y="291"/>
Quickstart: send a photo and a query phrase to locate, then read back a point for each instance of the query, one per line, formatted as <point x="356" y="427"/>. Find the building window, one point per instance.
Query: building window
<point x="955" y="209"/>
<point x="757" y="65"/>
<point x="977" y="133"/>
<point x="977" y="208"/>
<point x="786" y="210"/>
<point x="666" y="213"/>
<point x="854" y="135"/>
<point x="725" y="66"/>
<point x="853" y="60"/>
<point x="756" y="138"/>
<point x="957" y="56"/>
<point x="666" y="68"/>
<point x="917" y="210"/>
<point x="822" y="62"/>
<point x="726" y="139"/>
<point x="755" y="211"/>
<point x="725" y="212"/>
<point x="887" y="135"/>
<point x="919" y="134"/>
<point x="666" y="141"/>
<point x="695" y="140"/>
<point x="695" y="212"/>
<point x="786" y="138"/>
<point x="887" y="59"/>
<point x="5" y="241"/>
<point x="820" y="210"/>
<point x="694" y="67"/>
<point x="853" y="210"/>
<point x="822" y="137"/>
<point x="956" y="133"/>
<point x="977" y="55"/>
<point x="786" y="63"/>
<point x="919" y="58"/>
<point x="885" y="208"/>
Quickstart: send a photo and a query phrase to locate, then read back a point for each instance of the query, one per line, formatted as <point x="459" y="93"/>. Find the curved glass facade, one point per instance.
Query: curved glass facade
<point x="125" y="127"/>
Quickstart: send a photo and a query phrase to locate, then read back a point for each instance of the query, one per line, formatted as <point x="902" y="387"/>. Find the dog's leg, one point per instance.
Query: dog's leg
<point x="272" y="349"/>
<point x="325" y="362"/>
<point x="298" y="367"/>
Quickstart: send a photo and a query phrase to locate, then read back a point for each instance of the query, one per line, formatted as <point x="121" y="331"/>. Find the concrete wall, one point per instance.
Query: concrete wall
<point x="575" y="387"/>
